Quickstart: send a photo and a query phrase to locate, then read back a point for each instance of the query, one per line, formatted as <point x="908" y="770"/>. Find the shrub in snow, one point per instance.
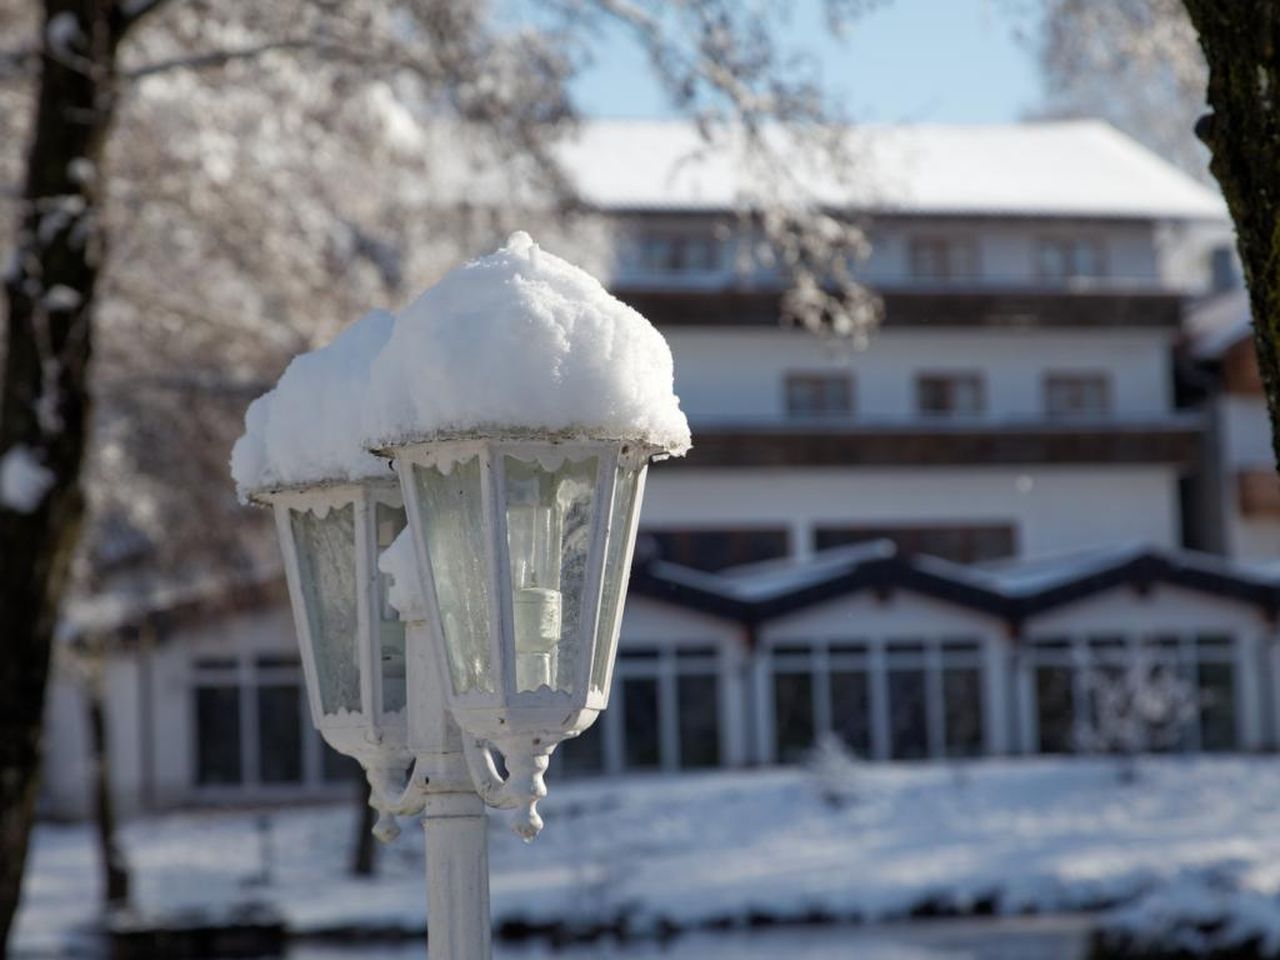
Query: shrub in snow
<point x="307" y="429"/>
<point x="520" y="341"/>
<point x="837" y="770"/>
<point x="1134" y="709"/>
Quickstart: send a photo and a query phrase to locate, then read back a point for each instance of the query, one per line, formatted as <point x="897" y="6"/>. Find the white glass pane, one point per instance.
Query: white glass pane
<point x="327" y="566"/>
<point x="454" y="526"/>
<point x="548" y="539"/>
<point x="617" y="565"/>
<point x="389" y="521"/>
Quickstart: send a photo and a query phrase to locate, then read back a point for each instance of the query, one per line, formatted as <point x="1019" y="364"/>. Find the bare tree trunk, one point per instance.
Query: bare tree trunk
<point x="115" y="869"/>
<point x="364" y="855"/>
<point x="1241" y="42"/>
<point x="44" y="409"/>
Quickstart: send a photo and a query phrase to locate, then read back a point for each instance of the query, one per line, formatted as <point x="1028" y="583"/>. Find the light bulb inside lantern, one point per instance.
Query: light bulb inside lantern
<point x="548" y="525"/>
<point x="534" y="523"/>
<point x="391" y="654"/>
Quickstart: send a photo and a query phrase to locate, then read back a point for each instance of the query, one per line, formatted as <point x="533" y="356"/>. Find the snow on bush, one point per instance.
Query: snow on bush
<point x="837" y="770"/>
<point x="1200" y="914"/>
<point x="519" y="341"/>
<point x="307" y="429"/>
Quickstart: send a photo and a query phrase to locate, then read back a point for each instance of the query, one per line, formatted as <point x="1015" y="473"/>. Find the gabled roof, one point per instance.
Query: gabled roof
<point x="1013" y="591"/>
<point x="1078" y="168"/>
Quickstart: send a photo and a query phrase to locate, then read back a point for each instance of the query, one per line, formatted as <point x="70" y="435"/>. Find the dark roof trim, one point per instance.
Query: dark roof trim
<point x="954" y="307"/>
<point x="699" y="591"/>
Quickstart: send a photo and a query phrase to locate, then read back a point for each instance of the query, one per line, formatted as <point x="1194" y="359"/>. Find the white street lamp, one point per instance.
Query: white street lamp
<point x="524" y="547"/>
<point x="521" y="405"/>
<point x="335" y="510"/>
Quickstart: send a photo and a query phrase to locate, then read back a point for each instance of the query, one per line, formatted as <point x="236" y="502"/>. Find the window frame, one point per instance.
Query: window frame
<point x="1070" y="249"/>
<point x="1186" y="651"/>
<point x="949" y="259"/>
<point x="248" y="671"/>
<point x="665" y="663"/>
<point x="678" y="259"/>
<point x="1052" y="379"/>
<point x="782" y="533"/>
<point x="951" y="379"/>
<point x="794" y="380"/>
<point x="821" y="657"/>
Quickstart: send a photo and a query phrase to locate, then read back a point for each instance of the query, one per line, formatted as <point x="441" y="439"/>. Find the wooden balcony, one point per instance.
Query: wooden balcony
<point x="960" y="307"/>
<point x="968" y="307"/>
<point x="1172" y="441"/>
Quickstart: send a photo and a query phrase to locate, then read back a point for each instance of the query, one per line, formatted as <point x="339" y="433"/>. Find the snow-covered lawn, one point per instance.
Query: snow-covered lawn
<point x="1012" y="836"/>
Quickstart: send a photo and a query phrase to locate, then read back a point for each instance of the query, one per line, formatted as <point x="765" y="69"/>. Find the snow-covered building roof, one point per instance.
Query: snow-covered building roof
<point x="1218" y="323"/>
<point x="1080" y="168"/>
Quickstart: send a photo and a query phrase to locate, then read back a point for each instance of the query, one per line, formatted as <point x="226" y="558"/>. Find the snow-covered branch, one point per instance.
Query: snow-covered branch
<point x="214" y="59"/>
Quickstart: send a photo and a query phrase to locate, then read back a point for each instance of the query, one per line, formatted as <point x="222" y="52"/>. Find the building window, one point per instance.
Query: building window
<point x="671" y="253"/>
<point x="583" y="754"/>
<point x="713" y="550"/>
<point x="942" y="259"/>
<point x="904" y="699"/>
<point x="1070" y="258"/>
<point x="1067" y="671"/>
<point x="252" y="726"/>
<point x="1077" y="394"/>
<point x="908" y="713"/>
<point x="280" y="733"/>
<point x="819" y="394"/>
<point x="670" y="700"/>
<point x="793" y="722"/>
<point x="973" y="543"/>
<point x="950" y="394"/>
<point x="1223" y="274"/>
<point x="217" y="735"/>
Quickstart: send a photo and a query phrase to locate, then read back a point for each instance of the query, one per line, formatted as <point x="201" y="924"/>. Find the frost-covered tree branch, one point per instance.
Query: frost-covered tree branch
<point x="1135" y="62"/>
<point x="264" y="172"/>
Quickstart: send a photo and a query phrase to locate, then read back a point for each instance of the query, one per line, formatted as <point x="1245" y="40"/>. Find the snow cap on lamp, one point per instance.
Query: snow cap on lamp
<point x="306" y="430"/>
<point x="521" y="342"/>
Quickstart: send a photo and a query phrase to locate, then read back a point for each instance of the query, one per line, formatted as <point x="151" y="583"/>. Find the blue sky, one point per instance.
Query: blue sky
<point x="910" y="60"/>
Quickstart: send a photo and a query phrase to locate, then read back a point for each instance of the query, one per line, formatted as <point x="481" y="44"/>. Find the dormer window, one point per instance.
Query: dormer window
<point x="1070" y="258"/>
<point x="673" y="253"/>
<point x="942" y="259"/>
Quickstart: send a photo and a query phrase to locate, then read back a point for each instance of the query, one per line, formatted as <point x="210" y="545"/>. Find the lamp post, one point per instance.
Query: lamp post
<point x="520" y="405"/>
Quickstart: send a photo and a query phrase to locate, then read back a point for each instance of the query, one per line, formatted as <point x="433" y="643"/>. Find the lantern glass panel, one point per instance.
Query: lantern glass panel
<point x="326" y="547"/>
<point x="616" y="567"/>
<point x="389" y="522"/>
<point x="453" y="521"/>
<point x="549" y="525"/>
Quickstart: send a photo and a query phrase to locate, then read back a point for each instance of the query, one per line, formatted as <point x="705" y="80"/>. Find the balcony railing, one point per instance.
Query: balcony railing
<point x="926" y="308"/>
<point x="1171" y="439"/>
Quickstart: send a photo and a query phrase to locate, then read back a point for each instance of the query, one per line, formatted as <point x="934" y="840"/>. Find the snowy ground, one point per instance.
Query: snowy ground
<point x="1012" y="836"/>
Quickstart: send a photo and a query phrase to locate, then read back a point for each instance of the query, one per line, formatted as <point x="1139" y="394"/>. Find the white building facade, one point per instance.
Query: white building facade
<point x="856" y="545"/>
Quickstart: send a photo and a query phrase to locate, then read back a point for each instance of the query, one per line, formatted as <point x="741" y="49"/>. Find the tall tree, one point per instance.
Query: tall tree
<point x="275" y="169"/>
<point x="1135" y="63"/>
<point x="44" y="407"/>
<point x="1152" y="66"/>
<point x="1241" y="44"/>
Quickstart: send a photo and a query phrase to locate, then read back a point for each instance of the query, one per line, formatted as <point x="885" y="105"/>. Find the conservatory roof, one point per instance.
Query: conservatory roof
<point x="1012" y="591"/>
